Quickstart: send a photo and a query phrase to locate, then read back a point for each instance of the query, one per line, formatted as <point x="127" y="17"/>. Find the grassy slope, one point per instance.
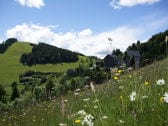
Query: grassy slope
<point x="10" y="68"/>
<point x="114" y="103"/>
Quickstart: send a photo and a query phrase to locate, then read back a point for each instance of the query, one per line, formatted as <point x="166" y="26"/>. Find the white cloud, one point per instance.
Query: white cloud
<point x="31" y="3"/>
<point x="1" y="40"/>
<point x="31" y="32"/>
<point x="117" y="4"/>
<point x="84" y="41"/>
<point x="85" y="32"/>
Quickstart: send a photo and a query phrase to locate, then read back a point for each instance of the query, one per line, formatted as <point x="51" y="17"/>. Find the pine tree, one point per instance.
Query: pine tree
<point x="15" y="91"/>
<point x="2" y="93"/>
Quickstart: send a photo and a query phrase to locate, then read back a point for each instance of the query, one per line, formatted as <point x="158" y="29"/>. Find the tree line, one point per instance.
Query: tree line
<point x="6" y="44"/>
<point x="44" y="53"/>
<point x="151" y="50"/>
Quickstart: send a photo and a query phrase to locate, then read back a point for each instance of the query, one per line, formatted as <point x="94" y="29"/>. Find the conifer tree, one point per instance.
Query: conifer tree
<point x="15" y="91"/>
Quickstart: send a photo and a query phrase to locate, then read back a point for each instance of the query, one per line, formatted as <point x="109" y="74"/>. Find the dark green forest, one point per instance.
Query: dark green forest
<point x="153" y="49"/>
<point x="150" y="51"/>
<point x="6" y="44"/>
<point x="44" y="53"/>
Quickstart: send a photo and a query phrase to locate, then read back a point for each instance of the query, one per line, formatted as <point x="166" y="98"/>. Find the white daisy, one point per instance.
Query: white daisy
<point x="133" y="96"/>
<point x="160" y="82"/>
<point x="165" y="97"/>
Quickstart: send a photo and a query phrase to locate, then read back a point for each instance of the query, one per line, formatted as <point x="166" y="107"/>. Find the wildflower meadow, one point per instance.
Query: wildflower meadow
<point x="135" y="98"/>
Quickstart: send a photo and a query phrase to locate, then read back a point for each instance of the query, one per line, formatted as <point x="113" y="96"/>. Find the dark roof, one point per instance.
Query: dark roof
<point x="113" y="56"/>
<point x="133" y="53"/>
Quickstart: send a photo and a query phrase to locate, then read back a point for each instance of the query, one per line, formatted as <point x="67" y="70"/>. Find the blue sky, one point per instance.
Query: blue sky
<point x="83" y="25"/>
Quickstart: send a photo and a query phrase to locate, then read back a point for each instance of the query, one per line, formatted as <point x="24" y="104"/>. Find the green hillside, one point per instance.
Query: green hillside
<point x="10" y="67"/>
<point x="137" y="98"/>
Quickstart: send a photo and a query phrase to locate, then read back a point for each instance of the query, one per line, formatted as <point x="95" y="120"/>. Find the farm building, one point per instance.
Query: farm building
<point x="133" y="59"/>
<point x="111" y="61"/>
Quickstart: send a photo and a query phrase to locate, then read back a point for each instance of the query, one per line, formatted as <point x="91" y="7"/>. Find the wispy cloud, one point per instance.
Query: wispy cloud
<point x="31" y="3"/>
<point x="117" y="4"/>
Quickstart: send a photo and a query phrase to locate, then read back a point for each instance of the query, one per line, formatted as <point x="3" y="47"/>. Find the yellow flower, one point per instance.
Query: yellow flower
<point x="130" y="76"/>
<point x="161" y="99"/>
<point x="121" y="97"/>
<point x="119" y="71"/>
<point x="115" y="78"/>
<point x="77" y="121"/>
<point x="146" y="83"/>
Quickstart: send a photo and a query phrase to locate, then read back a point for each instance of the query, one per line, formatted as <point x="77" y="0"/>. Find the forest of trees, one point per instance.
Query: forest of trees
<point x="6" y="44"/>
<point x="153" y="49"/>
<point x="44" y="53"/>
<point x="117" y="52"/>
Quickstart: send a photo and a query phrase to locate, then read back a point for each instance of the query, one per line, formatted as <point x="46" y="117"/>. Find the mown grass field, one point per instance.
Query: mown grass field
<point x="10" y="67"/>
<point x="132" y="99"/>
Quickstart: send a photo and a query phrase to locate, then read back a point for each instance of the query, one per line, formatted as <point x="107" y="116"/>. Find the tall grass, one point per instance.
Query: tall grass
<point x="109" y="104"/>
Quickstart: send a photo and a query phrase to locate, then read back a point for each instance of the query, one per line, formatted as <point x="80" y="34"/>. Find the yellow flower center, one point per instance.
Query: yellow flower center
<point x="115" y="78"/>
<point x="119" y="71"/>
<point x="77" y="121"/>
<point x="146" y="83"/>
<point x="161" y="99"/>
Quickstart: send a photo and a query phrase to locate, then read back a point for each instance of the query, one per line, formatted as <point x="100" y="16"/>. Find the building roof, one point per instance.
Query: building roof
<point x="114" y="57"/>
<point x="133" y="53"/>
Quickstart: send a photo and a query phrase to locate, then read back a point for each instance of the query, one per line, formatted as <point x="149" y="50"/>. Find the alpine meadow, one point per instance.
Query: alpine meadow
<point x="84" y="63"/>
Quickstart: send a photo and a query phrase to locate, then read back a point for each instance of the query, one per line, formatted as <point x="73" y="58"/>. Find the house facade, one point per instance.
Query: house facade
<point x="133" y="59"/>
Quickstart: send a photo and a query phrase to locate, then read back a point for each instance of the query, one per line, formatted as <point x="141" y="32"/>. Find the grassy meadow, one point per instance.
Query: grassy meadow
<point x="136" y="98"/>
<point x="10" y="67"/>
